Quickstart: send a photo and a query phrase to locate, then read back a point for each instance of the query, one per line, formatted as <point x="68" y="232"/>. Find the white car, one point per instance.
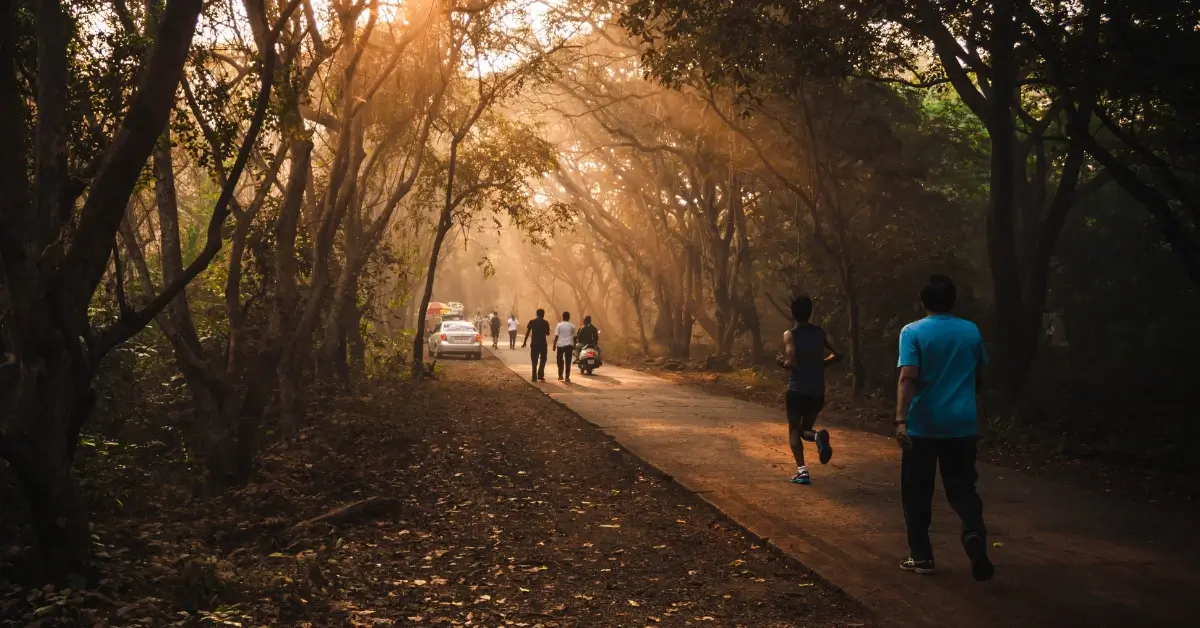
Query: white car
<point x="456" y="338"/>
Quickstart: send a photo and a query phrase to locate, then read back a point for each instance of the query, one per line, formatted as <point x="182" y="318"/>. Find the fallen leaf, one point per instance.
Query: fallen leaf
<point x="634" y="604"/>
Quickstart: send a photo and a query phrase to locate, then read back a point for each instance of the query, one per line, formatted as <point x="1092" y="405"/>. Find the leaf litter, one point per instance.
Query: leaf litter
<point x="474" y="500"/>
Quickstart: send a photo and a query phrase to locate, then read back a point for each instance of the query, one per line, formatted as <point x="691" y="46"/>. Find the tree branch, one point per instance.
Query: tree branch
<point x="132" y="324"/>
<point x="101" y="214"/>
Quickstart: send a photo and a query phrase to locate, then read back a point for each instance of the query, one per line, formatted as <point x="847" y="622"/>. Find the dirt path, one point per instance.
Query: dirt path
<point x="497" y="507"/>
<point x="1065" y="557"/>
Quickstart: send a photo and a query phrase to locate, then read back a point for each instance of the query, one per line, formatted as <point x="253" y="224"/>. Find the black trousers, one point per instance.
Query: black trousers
<point x="918" y="470"/>
<point x="564" y="361"/>
<point x="537" y="354"/>
<point x="512" y="339"/>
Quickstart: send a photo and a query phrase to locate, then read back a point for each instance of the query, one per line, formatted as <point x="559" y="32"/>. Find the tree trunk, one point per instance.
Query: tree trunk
<point x="211" y="393"/>
<point x="35" y="447"/>
<point x="635" y="296"/>
<point x="1001" y="224"/>
<point x="443" y="227"/>
<point x="355" y="344"/>
<point x="858" y="370"/>
<point x="663" y="331"/>
<point x="286" y="297"/>
<point x="750" y="318"/>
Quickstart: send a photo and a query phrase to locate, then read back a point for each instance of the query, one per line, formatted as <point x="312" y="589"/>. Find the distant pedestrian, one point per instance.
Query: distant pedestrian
<point x="539" y="330"/>
<point x="807" y="352"/>
<point x="941" y="370"/>
<point x="564" y="345"/>
<point x="512" y="331"/>
<point x="495" y="329"/>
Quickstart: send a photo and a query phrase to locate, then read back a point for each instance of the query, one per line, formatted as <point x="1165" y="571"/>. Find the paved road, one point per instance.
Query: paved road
<point x="1069" y="557"/>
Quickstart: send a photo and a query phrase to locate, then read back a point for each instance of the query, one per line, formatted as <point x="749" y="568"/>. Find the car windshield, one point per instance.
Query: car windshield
<point x="458" y="327"/>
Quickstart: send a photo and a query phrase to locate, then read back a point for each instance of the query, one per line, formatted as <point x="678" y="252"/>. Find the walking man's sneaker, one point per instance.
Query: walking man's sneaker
<point x="923" y="567"/>
<point x="981" y="566"/>
<point x="824" y="449"/>
<point x="801" y="477"/>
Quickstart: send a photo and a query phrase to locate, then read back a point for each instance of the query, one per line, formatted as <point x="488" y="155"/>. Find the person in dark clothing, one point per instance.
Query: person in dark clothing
<point x="495" y="329"/>
<point x="807" y="351"/>
<point x="941" y="365"/>
<point x="539" y="329"/>
<point x="588" y="336"/>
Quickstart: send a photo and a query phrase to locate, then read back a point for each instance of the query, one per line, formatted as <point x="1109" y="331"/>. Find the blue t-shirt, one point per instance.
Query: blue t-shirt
<point x="948" y="350"/>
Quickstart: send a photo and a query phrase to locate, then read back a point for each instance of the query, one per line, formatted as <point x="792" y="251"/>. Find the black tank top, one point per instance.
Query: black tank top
<point x="808" y="367"/>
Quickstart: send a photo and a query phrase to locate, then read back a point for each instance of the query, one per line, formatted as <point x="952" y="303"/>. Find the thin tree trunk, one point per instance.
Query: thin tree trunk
<point x="443" y="227"/>
<point x="858" y="370"/>
<point x="286" y="292"/>
<point x="211" y="394"/>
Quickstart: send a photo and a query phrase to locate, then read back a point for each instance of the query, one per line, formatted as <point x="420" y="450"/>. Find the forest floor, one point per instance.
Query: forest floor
<point x="481" y="503"/>
<point x="1107" y="455"/>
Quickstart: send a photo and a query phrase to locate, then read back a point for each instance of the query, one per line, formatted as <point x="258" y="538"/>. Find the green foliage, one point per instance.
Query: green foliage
<point x="753" y="47"/>
<point x="497" y="166"/>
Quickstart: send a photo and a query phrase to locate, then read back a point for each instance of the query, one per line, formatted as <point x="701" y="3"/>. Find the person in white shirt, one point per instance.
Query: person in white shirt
<point x="564" y="342"/>
<point x="512" y="331"/>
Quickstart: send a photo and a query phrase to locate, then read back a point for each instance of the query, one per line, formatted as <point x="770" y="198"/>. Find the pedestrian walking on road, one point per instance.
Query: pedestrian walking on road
<point x="495" y="329"/>
<point x="539" y="329"/>
<point x="807" y="352"/>
<point x="512" y="331"/>
<point x="941" y="370"/>
<point x="564" y="345"/>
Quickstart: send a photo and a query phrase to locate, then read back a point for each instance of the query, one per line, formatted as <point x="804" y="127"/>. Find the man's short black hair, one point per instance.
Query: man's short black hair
<point x="541" y="313"/>
<point x="566" y="316"/>
<point x="938" y="296"/>
<point x="587" y="320"/>
<point x="802" y="308"/>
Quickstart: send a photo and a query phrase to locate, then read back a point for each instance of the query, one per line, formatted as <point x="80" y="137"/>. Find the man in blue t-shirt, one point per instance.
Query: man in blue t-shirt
<point x="941" y="365"/>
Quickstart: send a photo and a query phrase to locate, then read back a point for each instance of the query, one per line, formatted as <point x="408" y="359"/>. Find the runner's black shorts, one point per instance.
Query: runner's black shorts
<point x="802" y="409"/>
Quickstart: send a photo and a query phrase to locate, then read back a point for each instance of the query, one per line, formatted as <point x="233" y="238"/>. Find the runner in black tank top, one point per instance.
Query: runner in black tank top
<point x="807" y="353"/>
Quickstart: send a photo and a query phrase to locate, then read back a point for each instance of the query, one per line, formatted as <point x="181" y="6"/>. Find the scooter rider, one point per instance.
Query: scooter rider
<point x="589" y="336"/>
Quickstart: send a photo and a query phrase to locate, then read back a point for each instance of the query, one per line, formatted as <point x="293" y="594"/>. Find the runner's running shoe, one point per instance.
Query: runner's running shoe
<point x="824" y="449"/>
<point x="801" y="477"/>
<point x="923" y="567"/>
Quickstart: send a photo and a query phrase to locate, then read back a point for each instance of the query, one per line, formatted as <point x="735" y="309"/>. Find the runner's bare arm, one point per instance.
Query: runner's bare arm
<point x="788" y="361"/>
<point x="834" y="357"/>
<point x="528" y="329"/>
